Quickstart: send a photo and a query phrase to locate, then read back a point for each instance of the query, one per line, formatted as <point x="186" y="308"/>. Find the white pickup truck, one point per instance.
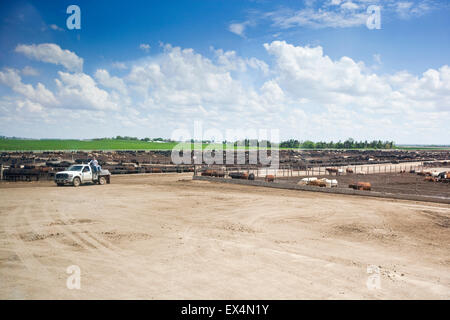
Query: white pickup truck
<point x="82" y="173"/>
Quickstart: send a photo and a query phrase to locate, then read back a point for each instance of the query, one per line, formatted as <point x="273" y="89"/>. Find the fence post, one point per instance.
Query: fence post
<point x="416" y="184"/>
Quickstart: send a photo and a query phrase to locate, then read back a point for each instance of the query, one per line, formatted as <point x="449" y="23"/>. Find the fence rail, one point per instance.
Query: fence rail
<point x="299" y="171"/>
<point x="384" y="178"/>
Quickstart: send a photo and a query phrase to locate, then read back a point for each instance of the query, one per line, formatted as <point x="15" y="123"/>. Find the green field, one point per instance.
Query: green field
<point x="97" y="144"/>
<point x="101" y="144"/>
<point x="115" y="144"/>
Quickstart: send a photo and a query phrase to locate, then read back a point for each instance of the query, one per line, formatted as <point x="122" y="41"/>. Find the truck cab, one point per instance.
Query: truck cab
<point x="81" y="173"/>
<point x="87" y="173"/>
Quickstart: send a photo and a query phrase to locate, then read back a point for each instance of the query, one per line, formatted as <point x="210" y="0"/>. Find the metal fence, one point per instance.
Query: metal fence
<point x="286" y="171"/>
<point x="399" y="178"/>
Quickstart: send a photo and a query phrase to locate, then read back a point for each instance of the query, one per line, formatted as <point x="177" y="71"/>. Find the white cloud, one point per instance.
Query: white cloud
<point x="238" y="28"/>
<point x="119" y="65"/>
<point x="258" y="64"/>
<point x="55" y="27"/>
<point x="29" y="71"/>
<point x="408" y="9"/>
<point x="305" y="72"/>
<point x="73" y="91"/>
<point x="39" y="94"/>
<point x="302" y="91"/>
<point x="29" y="106"/>
<point x="232" y="62"/>
<point x="318" y="18"/>
<point x="145" y="47"/>
<point x="181" y="77"/>
<point x="339" y="14"/>
<point x="52" y="53"/>
<point x="377" y="58"/>
<point x="107" y="81"/>
<point x="349" y="6"/>
<point x="79" y="90"/>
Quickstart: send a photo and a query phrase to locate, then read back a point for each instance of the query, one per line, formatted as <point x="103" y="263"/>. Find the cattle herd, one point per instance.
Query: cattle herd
<point x="406" y="177"/>
<point x="18" y="166"/>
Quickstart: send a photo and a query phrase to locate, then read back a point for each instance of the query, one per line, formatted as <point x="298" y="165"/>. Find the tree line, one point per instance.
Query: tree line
<point x="347" y="144"/>
<point x="350" y="143"/>
<point x="134" y="139"/>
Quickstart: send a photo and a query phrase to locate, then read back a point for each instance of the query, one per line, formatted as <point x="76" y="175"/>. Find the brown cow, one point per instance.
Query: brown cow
<point x="317" y="183"/>
<point x="208" y="173"/>
<point x="238" y="175"/>
<point x="348" y="170"/>
<point x="430" y="179"/>
<point x="364" y="186"/>
<point x="332" y="170"/>
<point x="361" y="186"/>
<point x="269" y="178"/>
<point x="218" y="173"/>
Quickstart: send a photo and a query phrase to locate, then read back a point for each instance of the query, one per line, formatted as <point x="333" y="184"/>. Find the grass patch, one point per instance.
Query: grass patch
<point x="117" y="144"/>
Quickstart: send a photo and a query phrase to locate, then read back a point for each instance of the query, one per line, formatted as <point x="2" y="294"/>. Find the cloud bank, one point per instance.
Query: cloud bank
<point x="299" y="90"/>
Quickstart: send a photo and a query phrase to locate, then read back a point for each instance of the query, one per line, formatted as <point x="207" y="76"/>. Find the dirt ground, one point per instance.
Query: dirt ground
<point x="168" y="237"/>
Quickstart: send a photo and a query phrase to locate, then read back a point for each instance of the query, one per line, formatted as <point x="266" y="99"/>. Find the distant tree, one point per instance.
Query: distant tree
<point x="308" y="144"/>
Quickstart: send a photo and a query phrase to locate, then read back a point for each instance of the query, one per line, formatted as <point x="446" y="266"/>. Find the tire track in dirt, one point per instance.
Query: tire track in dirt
<point x="80" y="236"/>
<point x="91" y="243"/>
<point x="83" y="241"/>
<point x="58" y="242"/>
<point x="21" y="248"/>
<point x="323" y="269"/>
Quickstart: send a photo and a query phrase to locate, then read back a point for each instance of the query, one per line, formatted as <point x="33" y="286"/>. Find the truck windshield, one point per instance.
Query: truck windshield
<point x="75" y="168"/>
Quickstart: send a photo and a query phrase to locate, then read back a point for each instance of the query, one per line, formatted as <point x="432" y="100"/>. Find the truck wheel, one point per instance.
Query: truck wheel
<point x="76" y="182"/>
<point x="102" y="180"/>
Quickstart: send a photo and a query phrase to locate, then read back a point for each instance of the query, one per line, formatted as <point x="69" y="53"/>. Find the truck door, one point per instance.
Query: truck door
<point x="87" y="174"/>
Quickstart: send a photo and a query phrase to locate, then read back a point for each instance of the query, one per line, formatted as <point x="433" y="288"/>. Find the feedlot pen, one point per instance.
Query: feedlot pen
<point x="402" y="183"/>
<point x="385" y="180"/>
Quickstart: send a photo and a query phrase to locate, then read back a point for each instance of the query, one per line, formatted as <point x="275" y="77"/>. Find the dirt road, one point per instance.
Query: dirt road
<point x="168" y="237"/>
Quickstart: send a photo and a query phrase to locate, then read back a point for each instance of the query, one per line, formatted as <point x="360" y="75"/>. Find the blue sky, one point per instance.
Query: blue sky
<point x="311" y="69"/>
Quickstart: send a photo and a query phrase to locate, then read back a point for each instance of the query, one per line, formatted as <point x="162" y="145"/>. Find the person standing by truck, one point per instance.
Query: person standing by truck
<point x="94" y="165"/>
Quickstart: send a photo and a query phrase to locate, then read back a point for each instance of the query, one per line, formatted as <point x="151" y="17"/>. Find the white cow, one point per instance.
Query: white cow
<point x="330" y="183"/>
<point x="305" y="181"/>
